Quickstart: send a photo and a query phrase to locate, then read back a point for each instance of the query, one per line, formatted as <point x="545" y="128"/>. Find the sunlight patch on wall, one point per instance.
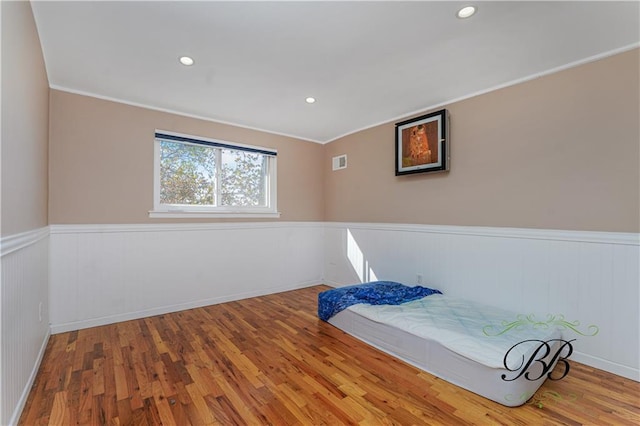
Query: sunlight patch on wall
<point x="359" y="264"/>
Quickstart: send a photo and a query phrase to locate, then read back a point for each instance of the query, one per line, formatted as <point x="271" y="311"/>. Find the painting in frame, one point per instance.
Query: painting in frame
<point x="422" y="144"/>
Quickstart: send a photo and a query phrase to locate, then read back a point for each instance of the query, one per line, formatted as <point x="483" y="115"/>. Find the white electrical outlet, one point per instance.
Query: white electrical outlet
<point x="40" y="312"/>
<point x="419" y="278"/>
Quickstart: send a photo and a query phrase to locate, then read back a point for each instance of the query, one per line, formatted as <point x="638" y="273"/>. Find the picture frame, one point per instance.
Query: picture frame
<point x="422" y="144"/>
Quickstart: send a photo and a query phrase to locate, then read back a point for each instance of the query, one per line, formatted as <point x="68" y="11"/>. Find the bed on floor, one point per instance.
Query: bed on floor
<point x="489" y="351"/>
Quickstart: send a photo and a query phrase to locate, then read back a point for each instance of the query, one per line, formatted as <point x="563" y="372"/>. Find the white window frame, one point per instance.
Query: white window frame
<point x="197" y="211"/>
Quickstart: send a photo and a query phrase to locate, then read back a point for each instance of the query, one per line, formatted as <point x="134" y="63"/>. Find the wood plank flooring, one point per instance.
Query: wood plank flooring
<point x="270" y="360"/>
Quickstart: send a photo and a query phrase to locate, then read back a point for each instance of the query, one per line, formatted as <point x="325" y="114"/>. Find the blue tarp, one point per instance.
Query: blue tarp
<point x="331" y="302"/>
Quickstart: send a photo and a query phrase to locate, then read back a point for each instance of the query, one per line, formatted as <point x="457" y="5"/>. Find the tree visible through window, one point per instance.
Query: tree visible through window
<point x="197" y="175"/>
<point x="242" y="178"/>
<point x="187" y="174"/>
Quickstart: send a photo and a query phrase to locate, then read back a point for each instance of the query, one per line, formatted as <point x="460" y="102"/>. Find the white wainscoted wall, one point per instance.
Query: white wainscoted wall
<point x="102" y="274"/>
<point x="590" y="277"/>
<point x="24" y="316"/>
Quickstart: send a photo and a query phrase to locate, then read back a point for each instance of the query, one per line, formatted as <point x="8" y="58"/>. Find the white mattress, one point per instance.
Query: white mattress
<point x="444" y="336"/>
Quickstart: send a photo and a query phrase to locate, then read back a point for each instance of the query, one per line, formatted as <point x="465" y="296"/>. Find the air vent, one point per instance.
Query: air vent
<point x="340" y="162"/>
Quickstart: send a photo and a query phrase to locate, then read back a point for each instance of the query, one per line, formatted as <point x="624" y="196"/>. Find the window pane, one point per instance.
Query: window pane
<point x="243" y="178"/>
<point x="187" y="174"/>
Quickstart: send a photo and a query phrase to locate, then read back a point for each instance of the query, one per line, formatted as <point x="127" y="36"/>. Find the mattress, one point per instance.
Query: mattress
<point x="462" y="342"/>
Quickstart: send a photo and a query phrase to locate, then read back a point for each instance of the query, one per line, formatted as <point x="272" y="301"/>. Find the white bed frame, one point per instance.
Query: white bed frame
<point x="434" y="358"/>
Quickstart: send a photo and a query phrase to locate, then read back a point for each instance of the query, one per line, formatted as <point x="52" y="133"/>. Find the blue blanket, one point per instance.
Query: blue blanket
<point x="331" y="302"/>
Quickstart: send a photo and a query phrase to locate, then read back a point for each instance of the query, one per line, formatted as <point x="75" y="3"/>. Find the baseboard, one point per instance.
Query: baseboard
<point x="334" y="283"/>
<point x="17" y="412"/>
<point x="111" y="319"/>
<point x="603" y="364"/>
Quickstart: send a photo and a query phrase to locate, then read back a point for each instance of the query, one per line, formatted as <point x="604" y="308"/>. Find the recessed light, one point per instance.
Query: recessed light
<point x="466" y="12"/>
<point x="186" y="60"/>
<point x="310" y="100"/>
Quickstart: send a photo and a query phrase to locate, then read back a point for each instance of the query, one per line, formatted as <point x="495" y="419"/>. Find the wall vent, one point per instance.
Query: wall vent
<point x="340" y="162"/>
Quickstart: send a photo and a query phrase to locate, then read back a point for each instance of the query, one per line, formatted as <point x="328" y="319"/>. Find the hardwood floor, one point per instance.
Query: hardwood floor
<point x="270" y="360"/>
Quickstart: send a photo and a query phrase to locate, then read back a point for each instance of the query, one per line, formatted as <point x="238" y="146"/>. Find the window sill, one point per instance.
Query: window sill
<point x="181" y="214"/>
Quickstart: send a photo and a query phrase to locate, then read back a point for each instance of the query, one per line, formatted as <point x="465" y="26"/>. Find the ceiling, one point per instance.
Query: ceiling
<point x="366" y="63"/>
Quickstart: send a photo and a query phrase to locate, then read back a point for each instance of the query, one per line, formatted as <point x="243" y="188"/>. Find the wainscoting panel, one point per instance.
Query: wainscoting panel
<point x="589" y="277"/>
<point x="102" y="274"/>
<point x="24" y="316"/>
<point x="107" y="273"/>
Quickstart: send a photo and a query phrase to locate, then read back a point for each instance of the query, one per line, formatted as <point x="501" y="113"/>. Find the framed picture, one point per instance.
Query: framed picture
<point x="422" y="144"/>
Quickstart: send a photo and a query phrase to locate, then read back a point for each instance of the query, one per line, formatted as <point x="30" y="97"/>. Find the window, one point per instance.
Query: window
<point x="197" y="177"/>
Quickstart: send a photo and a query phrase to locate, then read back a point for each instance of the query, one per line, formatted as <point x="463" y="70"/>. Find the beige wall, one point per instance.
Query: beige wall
<point x="558" y="152"/>
<point x="101" y="162"/>
<point x="25" y="118"/>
